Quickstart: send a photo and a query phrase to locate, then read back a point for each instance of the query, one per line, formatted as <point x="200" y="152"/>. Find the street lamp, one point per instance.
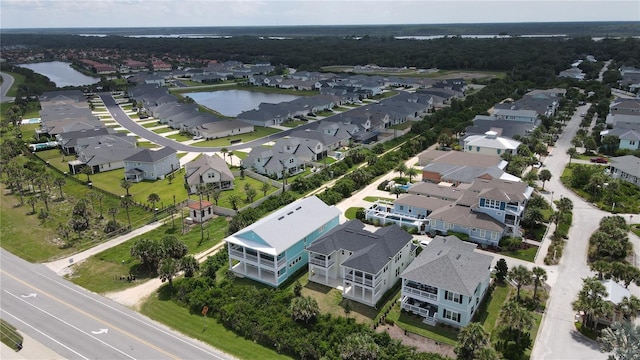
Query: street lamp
<point x="551" y="199"/>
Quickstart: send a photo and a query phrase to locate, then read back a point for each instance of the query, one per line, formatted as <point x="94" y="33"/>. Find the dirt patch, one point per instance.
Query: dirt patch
<point x="421" y="343"/>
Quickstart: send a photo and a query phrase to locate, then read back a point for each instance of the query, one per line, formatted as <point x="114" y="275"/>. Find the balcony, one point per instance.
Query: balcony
<point x="423" y="294"/>
<point x="428" y="312"/>
<point x="359" y="280"/>
<point x="322" y="262"/>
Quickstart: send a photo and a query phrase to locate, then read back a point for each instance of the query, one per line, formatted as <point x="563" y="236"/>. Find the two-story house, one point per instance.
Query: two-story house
<point x="446" y="282"/>
<point x="269" y="162"/>
<point x="364" y="264"/>
<point x="151" y="164"/>
<point x="490" y="143"/>
<point x="274" y="248"/>
<point x="207" y="169"/>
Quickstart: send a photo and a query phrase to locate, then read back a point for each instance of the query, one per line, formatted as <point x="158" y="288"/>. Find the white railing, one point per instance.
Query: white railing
<point x="423" y="294"/>
<point x="431" y="320"/>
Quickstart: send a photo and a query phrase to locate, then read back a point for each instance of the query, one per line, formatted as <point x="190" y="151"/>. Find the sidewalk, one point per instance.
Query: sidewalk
<point x="60" y="267"/>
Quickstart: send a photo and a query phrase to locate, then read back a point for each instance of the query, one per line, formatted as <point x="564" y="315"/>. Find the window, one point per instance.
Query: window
<point x="491" y="204"/>
<point x="498" y="150"/>
<point x="494" y="235"/>
<point x="451" y="315"/>
<point x="401" y="207"/>
<point x="451" y="296"/>
<point x="483" y="233"/>
<point x="478" y="148"/>
<point x="470" y="147"/>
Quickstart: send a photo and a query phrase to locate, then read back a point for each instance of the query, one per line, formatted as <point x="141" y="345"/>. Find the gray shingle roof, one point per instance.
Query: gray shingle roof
<point x="151" y="156"/>
<point x="451" y="264"/>
<point x="371" y="251"/>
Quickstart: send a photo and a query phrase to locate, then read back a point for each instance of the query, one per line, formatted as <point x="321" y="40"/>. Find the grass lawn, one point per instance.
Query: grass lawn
<point x="214" y="333"/>
<point x="110" y="181"/>
<point x="522" y="254"/>
<point x="101" y="273"/>
<point x="18" y="79"/>
<point x="179" y="137"/>
<point x="241" y="154"/>
<point x="9" y="335"/>
<point x="239" y="185"/>
<point x="147" y="144"/>
<point x="414" y="324"/>
<point x="351" y="212"/>
<point x="636" y="229"/>
<point x="294" y="123"/>
<point x="376" y="198"/>
<point x="489" y="311"/>
<point x="151" y="124"/>
<point x="163" y="130"/>
<point x="259" y="132"/>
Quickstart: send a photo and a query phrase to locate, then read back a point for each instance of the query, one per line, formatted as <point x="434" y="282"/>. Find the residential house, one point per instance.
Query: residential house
<point x="103" y="153"/>
<point x="490" y="143"/>
<point x="627" y="139"/>
<point x="363" y="264"/>
<point x="151" y="164"/>
<point x="222" y="128"/>
<point x="265" y="253"/>
<point x="572" y="73"/>
<point x="273" y="163"/>
<point x="456" y="167"/>
<point x="626" y="168"/>
<point x="207" y="169"/>
<point x="615" y="294"/>
<point x="446" y="282"/>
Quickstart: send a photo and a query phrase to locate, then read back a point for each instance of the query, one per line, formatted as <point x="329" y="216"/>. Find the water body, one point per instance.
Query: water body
<point x="234" y="102"/>
<point x="61" y="73"/>
<point x="433" y="37"/>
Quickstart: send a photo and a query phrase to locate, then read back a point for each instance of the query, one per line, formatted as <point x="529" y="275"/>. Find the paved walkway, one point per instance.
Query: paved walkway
<point x="61" y="266"/>
<point x="31" y="349"/>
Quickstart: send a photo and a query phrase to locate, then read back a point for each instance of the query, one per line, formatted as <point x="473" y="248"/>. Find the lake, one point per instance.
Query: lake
<point x="234" y="102"/>
<point x="61" y="73"/>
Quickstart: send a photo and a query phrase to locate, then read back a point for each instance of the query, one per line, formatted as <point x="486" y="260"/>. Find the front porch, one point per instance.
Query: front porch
<point x="244" y="269"/>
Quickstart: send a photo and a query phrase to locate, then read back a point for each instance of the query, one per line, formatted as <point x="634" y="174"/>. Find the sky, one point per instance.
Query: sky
<point x="171" y="13"/>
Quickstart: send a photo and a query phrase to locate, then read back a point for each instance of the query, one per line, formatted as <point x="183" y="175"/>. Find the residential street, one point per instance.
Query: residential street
<point x="7" y="82"/>
<point x="557" y="337"/>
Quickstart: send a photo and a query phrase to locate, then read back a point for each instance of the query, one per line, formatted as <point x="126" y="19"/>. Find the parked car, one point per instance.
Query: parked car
<point x="599" y="160"/>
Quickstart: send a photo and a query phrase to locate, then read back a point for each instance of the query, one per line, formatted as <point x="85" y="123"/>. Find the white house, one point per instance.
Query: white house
<point x="446" y="282"/>
<point x="363" y="264"/>
<point x="151" y="164"/>
<point x="626" y="168"/>
<point x="490" y="144"/>
<point x="273" y="248"/>
<point x="200" y="211"/>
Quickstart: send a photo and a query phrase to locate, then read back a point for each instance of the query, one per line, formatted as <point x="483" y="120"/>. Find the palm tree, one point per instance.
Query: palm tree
<point x="572" y="152"/>
<point x="99" y="196"/>
<point x="189" y="265"/>
<point x="539" y="276"/>
<point x="224" y="152"/>
<point x="411" y="172"/>
<point x="629" y="307"/>
<point x="471" y="339"/>
<point x="153" y="198"/>
<point x="32" y="200"/>
<point x="623" y="339"/>
<point x="215" y="194"/>
<point x="544" y="176"/>
<point x="516" y="317"/>
<point x="60" y="182"/>
<point x="591" y="301"/>
<point x="565" y="205"/>
<point x="113" y="211"/>
<point x="126" y="203"/>
<point x="167" y="269"/>
<point x="126" y="184"/>
<point x="304" y="308"/>
<point x="401" y="168"/>
<point x="521" y="276"/>
<point x="87" y="170"/>
<point x="264" y="188"/>
<point x="359" y="345"/>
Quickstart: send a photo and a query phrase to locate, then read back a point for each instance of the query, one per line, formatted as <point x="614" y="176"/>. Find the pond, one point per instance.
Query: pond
<point x="234" y="102"/>
<point x="61" y="73"/>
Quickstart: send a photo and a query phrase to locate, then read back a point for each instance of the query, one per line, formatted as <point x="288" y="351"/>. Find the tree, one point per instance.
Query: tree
<point x="623" y="339"/>
<point x="87" y="170"/>
<point x="590" y="144"/>
<point x="297" y="288"/>
<point x="215" y="194"/>
<point x="250" y="192"/>
<point x="401" y="168"/>
<point x="544" y="176"/>
<point x="224" y="152"/>
<point x="264" y="188"/>
<point x="521" y="276"/>
<point x="234" y="199"/>
<point x="515" y="338"/>
<point x="32" y="200"/>
<point x="153" y="198"/>
<point x="167" y="269"/>
<point x="189" y="265"/>
<point x="126" y="184"/>
<point x="502" y="270"/>
<point x="565" y="205"/>
<point x="444" y="140"/>
<point x="411" y="172"/>
<point x="591" y="301"/>
<point x="532" y="216"/>
<point x="539" y="277"/>
<point x="572" y="152"/>
<point x="629" y="307"/>
<point x="148" y="252"/>
<point x="304" y="308"/>
<point x="359" y="346"/>
<point x="471" y="339"/>
<point x="172" y="247"/>
<point x="60" y="182"/>
<point x="126" y="203"/>
<point x="113" y="211"/>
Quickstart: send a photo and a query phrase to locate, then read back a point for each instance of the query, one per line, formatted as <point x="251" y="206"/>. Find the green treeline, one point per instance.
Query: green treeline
<point x="547" y="56"/>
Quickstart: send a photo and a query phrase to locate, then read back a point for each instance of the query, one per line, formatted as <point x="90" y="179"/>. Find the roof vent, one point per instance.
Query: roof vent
<point x="439" y="252"/>
<point x="458" y="257"/>
<point x="281" y="217"/>
<point x="298" y="208"/>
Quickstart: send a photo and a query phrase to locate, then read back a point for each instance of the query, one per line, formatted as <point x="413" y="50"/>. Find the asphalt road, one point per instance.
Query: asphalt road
<point x="7" y="82"/>
<point x="125" y="121"/>
<point x="78" y="324"/>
